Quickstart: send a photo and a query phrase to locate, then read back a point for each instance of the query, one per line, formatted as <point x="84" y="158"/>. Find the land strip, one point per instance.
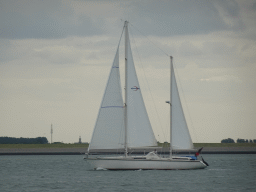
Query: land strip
<point x="81" y="149"/>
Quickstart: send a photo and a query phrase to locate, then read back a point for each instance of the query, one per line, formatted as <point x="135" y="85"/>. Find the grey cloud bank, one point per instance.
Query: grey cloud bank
<point x="60" y="19"/>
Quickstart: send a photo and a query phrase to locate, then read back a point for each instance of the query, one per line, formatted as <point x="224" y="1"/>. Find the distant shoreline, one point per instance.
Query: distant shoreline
<point x="82" y="151"/>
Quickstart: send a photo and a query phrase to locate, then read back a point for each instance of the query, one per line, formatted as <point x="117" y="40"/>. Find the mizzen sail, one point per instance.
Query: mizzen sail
<point x="180" y="134"/>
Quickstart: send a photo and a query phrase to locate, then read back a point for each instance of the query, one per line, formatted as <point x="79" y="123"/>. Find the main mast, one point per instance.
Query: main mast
<point x="126" y="83"/>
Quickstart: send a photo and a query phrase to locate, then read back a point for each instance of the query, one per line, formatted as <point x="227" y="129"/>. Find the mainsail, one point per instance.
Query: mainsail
<point x="139" y="130"/>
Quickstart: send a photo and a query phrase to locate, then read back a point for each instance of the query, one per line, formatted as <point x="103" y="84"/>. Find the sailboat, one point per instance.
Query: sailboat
<point x="125" y="125"/>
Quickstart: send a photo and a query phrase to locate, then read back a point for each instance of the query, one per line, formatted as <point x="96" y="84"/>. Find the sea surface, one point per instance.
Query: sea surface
<point x="70" y="173"/>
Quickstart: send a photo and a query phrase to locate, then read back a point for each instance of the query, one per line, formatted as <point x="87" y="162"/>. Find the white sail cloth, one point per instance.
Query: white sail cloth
<point x="109" y="128"/>
<point x="139" y="130"/>
<point x="180" y="134"/>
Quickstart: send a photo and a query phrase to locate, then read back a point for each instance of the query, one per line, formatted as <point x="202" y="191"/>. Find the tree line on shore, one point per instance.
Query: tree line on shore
<point x="21" y="140"/>
<point x="229" y="140"/>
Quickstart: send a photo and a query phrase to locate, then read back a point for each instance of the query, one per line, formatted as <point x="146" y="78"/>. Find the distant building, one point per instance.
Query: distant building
<point x="80" y="141"/>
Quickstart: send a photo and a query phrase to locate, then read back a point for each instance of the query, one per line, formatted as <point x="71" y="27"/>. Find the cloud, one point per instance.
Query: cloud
<point x="179" y="17"/>
<point x="60" y="19"/>
<point x="43" y="19"/>
<point x="230" y="12"/>
<point x="223" y="78"/>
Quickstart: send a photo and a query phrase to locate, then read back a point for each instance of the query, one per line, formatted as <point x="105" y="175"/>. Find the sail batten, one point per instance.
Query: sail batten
<point x="112" y="107"/>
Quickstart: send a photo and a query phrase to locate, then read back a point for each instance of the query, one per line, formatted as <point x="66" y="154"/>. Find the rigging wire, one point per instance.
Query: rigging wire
<point x="150" y="40"/>
<point x="121" y="37"/>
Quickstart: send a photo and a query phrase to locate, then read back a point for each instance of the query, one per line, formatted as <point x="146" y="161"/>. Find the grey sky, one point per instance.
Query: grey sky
<point x="55" y="57"/>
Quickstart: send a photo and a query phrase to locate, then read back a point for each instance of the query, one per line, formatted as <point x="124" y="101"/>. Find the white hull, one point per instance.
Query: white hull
<point x="144" y="164"/>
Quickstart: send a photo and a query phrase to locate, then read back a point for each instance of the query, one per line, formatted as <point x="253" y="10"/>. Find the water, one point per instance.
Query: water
<point x="69" y="173"/>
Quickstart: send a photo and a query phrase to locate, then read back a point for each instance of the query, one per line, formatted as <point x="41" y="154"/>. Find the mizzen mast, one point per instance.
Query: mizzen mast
<point x="170" y="102"/>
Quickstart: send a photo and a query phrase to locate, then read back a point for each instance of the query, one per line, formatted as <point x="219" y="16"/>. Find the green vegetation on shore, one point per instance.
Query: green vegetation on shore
<point x="59" y="145"/>
<point x="62" y="145"/>
<point x="196" y="145"/>
<point x="224" y="144"/>
<point x="21" y="140"/>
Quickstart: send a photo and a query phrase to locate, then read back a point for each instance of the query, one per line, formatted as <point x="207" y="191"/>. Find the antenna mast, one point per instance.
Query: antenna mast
<point x="51" y="133"/>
